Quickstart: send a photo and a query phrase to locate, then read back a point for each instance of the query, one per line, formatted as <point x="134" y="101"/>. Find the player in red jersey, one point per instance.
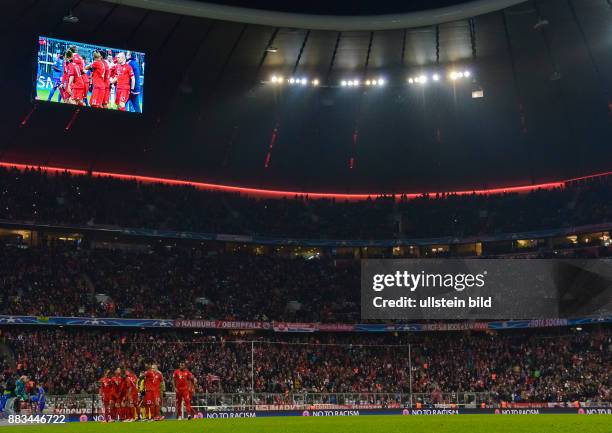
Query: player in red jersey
<point x="132" y="395"/>
<point x="107" y="80"/>
<point x="74" y="86"/>
<point x="184" y="381"/>
<point x="154" y="382"/>
<point x="98" y="71"/>
<point x="124" y="80"/>
<point x="80" y="63"/>
<point x="124" y="396"/>
<point x="64" y="82"/>
<point x="116" y="398"/>
<point x="106" y="394"/>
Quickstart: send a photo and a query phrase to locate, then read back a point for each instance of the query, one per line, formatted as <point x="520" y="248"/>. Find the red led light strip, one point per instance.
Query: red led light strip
<point x="258" y="192"/>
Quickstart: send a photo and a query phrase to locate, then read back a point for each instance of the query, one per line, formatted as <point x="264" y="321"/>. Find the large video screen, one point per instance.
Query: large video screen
<point x="89" y="75"/>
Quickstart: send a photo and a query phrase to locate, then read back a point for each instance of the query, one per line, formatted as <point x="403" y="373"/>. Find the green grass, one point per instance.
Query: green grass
<point x="43" y="94"/>
<point x="353" y="424"/>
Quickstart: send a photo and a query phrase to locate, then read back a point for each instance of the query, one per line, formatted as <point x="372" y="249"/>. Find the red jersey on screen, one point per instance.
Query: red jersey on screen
<point x="65" y="73"/>
<point x="153" y="380"/>
<point x="97" y="73"/>
<point x="124" y="76"/>
<point x="75" y="73"/>
<point x="107" y="72"/>
<point x="183" y="379"/>
<point x="78" y="60"/>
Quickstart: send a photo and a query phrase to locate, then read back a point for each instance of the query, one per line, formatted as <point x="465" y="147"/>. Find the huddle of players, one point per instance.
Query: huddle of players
<point x="128" y="398"/>
<point x="75" y="81"/>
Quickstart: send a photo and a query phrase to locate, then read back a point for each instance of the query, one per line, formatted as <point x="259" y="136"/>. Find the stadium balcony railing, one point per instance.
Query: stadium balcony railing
<point x="144" y="233"/>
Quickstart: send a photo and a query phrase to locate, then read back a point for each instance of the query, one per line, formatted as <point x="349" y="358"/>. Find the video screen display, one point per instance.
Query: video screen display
<point x="90" y="75"/>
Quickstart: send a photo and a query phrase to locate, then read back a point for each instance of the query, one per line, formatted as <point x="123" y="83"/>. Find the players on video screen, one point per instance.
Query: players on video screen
<point x="96" y="77"/>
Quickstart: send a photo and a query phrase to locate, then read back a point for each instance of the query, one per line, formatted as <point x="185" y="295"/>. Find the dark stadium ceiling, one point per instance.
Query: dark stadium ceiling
<point x="327" y="7"/>
<point x="378" y="21"/>
<point x="209" y="115"/>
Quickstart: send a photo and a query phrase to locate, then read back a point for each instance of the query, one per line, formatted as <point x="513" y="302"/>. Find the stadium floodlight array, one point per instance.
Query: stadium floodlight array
<point x="375" y="82"/>
<point x="350" y="83"/>
<point x="422" y="79"/>
<point x="436" y="77"/>
<point x="302" y="81"/>
<point x="457" y="75"/>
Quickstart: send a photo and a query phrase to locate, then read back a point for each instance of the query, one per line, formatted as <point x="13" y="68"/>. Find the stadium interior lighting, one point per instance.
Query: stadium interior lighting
<point x="285" y="193"/>
<point x="375" y="82"/>
<point x="455" y="75"/>
<point x="422" y="79"/>
<point x="276" y="79"/>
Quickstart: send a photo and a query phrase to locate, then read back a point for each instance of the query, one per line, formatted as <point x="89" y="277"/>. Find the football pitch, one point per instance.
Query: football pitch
<point x="357" y="424"/>
<point x="43" y="94"/>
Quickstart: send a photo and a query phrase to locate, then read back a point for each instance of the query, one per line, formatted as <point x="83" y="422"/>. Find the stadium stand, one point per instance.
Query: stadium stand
<point x="220" y="224"/>
<point x="34" y="195"/>
<point x="64" y="281"/>
<point x="512" y="366"/>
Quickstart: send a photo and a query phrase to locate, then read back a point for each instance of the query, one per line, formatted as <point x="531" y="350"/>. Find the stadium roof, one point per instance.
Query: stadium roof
<point x="330" y="21"/>
<point x="212" y="115"/>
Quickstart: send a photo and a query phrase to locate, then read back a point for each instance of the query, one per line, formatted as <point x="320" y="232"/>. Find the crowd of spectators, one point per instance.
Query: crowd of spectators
<point x="175" y="283"/>
<point x="39" y="196"/>
<point x="172" y="282"/>
<point x="183" y="282"/>
<point x="513" y="366"/>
